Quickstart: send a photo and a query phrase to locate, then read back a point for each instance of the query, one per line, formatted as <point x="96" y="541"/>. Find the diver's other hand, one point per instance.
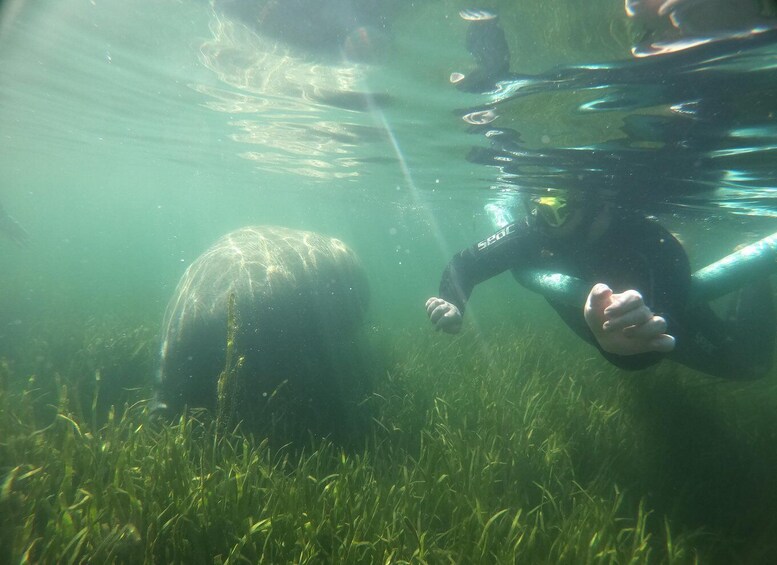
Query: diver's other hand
<point x="623" y="324"/>
<point x="444" y="315"/>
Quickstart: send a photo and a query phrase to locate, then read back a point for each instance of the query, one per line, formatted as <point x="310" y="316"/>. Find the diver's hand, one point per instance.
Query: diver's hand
<point x="444" y="315"/>
<point x="623" y="324"/>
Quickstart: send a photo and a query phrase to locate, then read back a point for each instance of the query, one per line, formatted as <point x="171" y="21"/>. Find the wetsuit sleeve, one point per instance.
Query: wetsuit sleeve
<point x="497" y="253"/>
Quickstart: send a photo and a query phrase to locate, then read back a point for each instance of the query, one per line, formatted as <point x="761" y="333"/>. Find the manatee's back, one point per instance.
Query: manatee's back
<point x="299" y="297"/>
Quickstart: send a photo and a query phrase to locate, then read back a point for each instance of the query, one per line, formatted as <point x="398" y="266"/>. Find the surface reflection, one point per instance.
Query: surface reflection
<point x="296" y="82"/>
<point x="688" y="121"/>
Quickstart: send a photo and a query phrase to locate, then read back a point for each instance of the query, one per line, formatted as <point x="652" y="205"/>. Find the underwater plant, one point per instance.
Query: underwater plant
<point x="484" y="449"/>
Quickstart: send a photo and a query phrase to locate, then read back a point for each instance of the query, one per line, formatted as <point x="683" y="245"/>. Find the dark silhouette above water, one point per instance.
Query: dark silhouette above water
<point x="487" y="44"/>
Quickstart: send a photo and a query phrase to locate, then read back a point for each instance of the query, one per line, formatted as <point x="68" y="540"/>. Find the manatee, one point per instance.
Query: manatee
<point x="300" y="300"/>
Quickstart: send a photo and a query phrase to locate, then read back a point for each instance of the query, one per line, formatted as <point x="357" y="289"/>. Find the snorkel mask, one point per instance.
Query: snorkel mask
<point x="552" y="209"/>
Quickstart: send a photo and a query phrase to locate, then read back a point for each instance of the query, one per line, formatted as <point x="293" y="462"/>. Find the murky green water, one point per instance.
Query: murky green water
<point x="134" y="134"/>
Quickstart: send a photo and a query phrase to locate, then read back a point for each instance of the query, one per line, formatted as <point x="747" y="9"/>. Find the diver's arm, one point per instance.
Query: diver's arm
<point x="492" y="256"/>
<point x="497" y="253"/>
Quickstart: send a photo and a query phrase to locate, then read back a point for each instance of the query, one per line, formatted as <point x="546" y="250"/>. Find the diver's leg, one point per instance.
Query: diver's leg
<point x="754" y="326"/>
<point x="738" y="348"/>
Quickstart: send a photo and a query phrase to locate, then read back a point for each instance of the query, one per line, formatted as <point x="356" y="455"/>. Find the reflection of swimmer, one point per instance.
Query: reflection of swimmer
<point x="638" y="309"/>
<point x="666" y="21"/>
<point x="286" y="61"/>
<point x="356" y="30"/>
<point x="12" y="230"/>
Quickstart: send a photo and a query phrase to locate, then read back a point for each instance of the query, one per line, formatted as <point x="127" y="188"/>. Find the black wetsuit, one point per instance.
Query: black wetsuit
<point x="633" y="252"/>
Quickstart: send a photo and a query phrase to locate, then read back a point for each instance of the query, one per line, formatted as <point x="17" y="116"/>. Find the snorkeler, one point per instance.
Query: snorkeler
<point x="12" y="230"/>
<point x="638" y="310"/>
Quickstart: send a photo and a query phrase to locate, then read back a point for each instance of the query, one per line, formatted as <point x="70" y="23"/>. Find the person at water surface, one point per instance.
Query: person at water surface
<point x="638" y="310"/>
